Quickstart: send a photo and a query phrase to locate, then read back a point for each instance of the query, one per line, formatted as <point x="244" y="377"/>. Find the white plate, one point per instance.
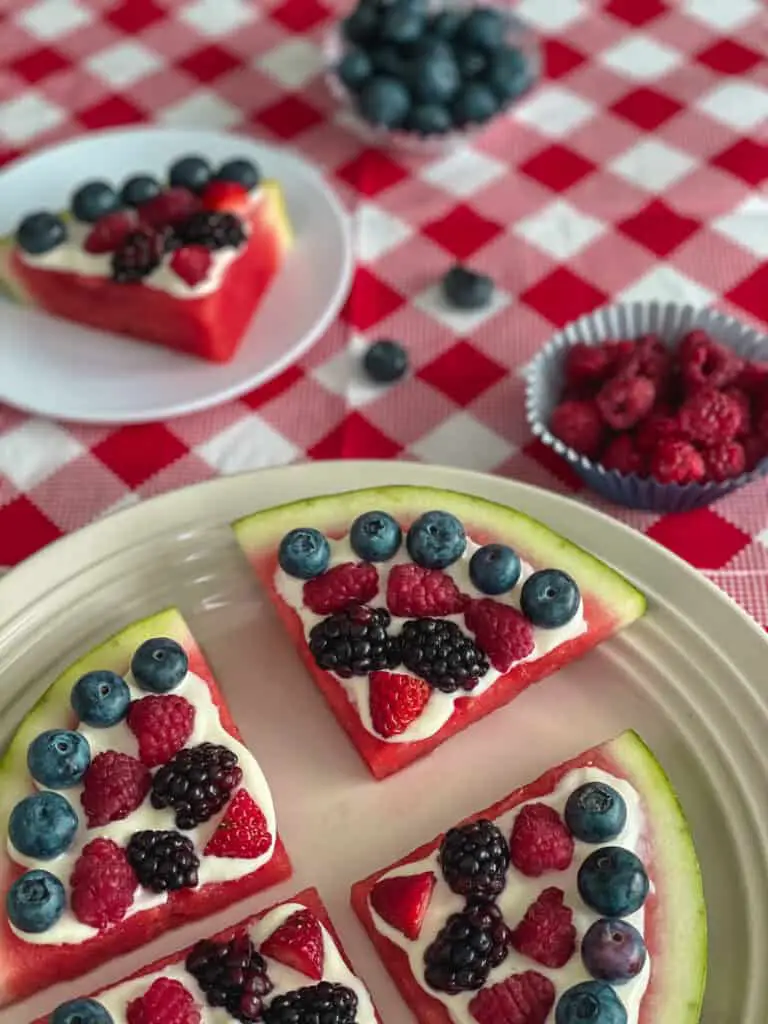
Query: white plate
<point x="690" y="677"/>
<point x="57" y="368"/>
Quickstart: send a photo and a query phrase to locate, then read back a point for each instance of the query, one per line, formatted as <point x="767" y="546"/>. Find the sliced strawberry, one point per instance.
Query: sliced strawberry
<point x="109" y="232"/>
<point x="298" y="943"/>
<point x="243" y="832"/>
<point x="226" y="196"/>
<point x="191" y="263"/>
<point x="414" y="592"/>
<point x="403" y="901"/>
<point x="396" y="701"/>
<point x="169" y="207"/>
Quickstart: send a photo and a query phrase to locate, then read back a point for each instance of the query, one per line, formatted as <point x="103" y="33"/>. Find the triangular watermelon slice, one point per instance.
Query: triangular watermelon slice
<point x="608" y="603"/>
<point x="70" y="947"/>
<point x="669" y="987"/>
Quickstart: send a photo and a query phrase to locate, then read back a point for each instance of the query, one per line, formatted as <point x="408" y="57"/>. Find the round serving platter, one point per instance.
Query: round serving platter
<point x="690" y="677"/>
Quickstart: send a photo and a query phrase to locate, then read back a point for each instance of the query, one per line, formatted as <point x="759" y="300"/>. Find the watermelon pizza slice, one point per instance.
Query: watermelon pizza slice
<point x="577" y="898"/>
<point x="285" y="965"/>
<point x="130" y="805"/>
<point x="418" y="611"/>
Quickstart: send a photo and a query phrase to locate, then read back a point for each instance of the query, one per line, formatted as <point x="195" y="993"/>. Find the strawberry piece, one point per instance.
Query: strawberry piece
<point x="525" y="998"/>
<point x="546" y="933"/>
<point x="166" y="1001"/>
<point x="403" y="901"/>
<point x="578" y="425"/>
<point x="162" y="726"/>
<point x="226" y="196"/>
<point x="243" y="832"/>
<point x="109" y="232"/>
<point x="191" y="263"/>
<point x="345" y="584"/>
<point x="298" y="943"/>
<point x="396" y="701"/>
<point x="169" y="207"/>
<point x="540" y="841"/>
<point x="103" y="884"/>
<point x="113" y="787"/>
<point x="414" y="592"/>
<point x="502" y="632"/>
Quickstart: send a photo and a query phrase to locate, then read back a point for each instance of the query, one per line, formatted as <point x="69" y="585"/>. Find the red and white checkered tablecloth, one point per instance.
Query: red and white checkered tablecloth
<point x="637" y="170"/>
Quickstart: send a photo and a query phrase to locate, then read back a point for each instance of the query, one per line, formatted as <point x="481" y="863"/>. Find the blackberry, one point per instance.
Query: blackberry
<point x="196" y="783"/>
<point x="474" y="859"/>
<point x="438" y="652"/>
<point x="355" y="642"/>
<point x="326" y="1003"/>
<point x="212" y="229"/>
<point x="139" y="254"/>
<point x="466" y="949"/>
<point x="163" y="861"/>
<point x="231" y="974"/>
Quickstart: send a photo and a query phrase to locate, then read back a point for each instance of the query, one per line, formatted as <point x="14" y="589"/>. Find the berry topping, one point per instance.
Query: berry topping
<point x="466" y="949"/>
<point x="212" y="229"/>
<point x="578" y="425"/>
<point x="705" y="364"/>
<point x="550" y="598"/>
<point x="414" y="591"/>
<point x="613" y="881"/>
<point x="139" y="189"/>
<point x="595" y="812"/>
<point x="81" y="1011"/>
<point x="109" y="232"/>
<point x="624" y="401"/>
<point x="113" y="787"/>
<point x="196" y="783"/>
<point x="403" y="901"/>
<point x="166" y="1001"/>
<point x="169" y="208"/>
<point x="355" y="642"/>
<point x="42" y="825"/>
<point x="191" y="263"/>
<point x="540" y="842"/>
<point x="103" y="884"/>
<point x="375" y="537"/>
<point x="93" y="200"/>
<point x="494" y="568"/>
<point x="243" y="832"/>
<point x="327" y="1002"/>
<point x="242" y="172"/>
<point x="163" y="861"/>
<point x="192" y="172"/>
<point x="159" y="665"/>
<point x="385" y="361"/>
<point x="726" y="460"/>
<point x="58" y="758"/>
<point x="677" y="462"/>
<point x="466" y="289"/>
<point x="138" y="255"/>
<point x="437" y="651"/>
<point x="436" y="540"/>
<point x="525" y="998"/>
<point x="225" y="196"/>
<point x="162" y="725"/>
<point x="396" y="701"/>
<point x="546" y="933"/>
<point x="40" y="232"/>
<point x="587" y="364"/>
<point x="612" y="950"/>
<point x="35" y="902"/>
<point x="711" y="417"/>
<point x="384" y="101"/>
<point x="502" y="632"/>
<point x="100" y="699"/>
<point x="592" y="1001"/>
<point x="231" y="974"/>
<point x="304" y="553"/>
<point x="298" y="943"/>
<point x="345" y="584"/>
<point x="474" y="859"/>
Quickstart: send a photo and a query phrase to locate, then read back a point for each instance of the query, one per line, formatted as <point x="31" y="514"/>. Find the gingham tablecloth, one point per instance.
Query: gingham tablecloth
<point x="637" y="170"/>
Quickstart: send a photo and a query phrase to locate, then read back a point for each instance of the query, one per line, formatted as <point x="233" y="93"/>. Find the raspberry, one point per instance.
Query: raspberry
<point x="710" y="417"/>
<point x="225" y="196"/>
<point x="620" y="354"/>
<point x="243" y="832"/>
<point x="704" y="363"/>
<point x="523" y="998"/>
<point x="345" y="584"/>
<point x="622" y="455"/>
<point x="396" y="701"/>
<point x="624" y="401"/>
<point x="502" y="632"/>
<point x="109" y="232"/>
<point x="162" y="726"/>
<point x="546" y="933"/>
<point x="191" y="263"/>
<point x="761" y="424"/>
<point x="754" y="450"/>
<point x="753" y="379"/>
<point x="652" y="357"/>
<point x="726" y="460"/>
<point x="540" y="841"/>
<point x="657" y="427"/>
<point x="169" y="207"/>
<point x="113" y="787"/>
<point x="676" y="462"/>
<point x="586" y="364"/>
<point x="414" y="592"/>
<point x="103" y="884"/>
<point x="741" y="398"/>
<point x="166" y="1001"/>
<point x="578" y="425"/>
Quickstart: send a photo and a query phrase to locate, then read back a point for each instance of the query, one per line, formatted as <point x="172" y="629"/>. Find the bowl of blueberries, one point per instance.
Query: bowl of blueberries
<point x="425" y="74"/>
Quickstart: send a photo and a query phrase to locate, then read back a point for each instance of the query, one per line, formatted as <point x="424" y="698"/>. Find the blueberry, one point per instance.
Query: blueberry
<point x="385" y="361"/>
<point x="435" y="77"/>
<point x="436" y="540"/>
<point x="401" y="24"/>
<point x="471" y="63"/>
<point x="466" y="289"/>
<point x="595" y="813"/>
<point x="384" y="101"/>
<point x="140" y="189"/>
<point x="591" y="1002"/>
<point x="94" y="200"/>
<point x="474" y="104"/>
<point x="484" y="27"/>
<point x="304" y="553"/>
<point x="550" y="598"/>
<point x="445" y="24"/>
<point x="192" y="172"/>
<point x="494" y="568"/>
<point x="362" y="25"/>
<point x="429" y="119"/>
<point x="40" y="232"/>
<point x="100" y="698"/>
<point x="613" y="950"/>
<point x="508" y="74"/>
<point x="375" y="536"/>
<point x="81" y="1011"/>
<point x="35" y="901"/>
<point x="42" y="825"/>
<point x="613" y="881"/>
<point x="388" y="60"/>
<point x="58" y="758"/>
<point x="354" y="68"/>
<point x="159" y="664"/>
<point x="242" y="172"/>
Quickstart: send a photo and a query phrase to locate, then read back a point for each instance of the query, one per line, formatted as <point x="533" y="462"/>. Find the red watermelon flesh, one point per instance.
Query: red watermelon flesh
<point x="131" y="988"/>
<point x="609" y="601"/>
<point x="27" y="967"/>
<point x="674" y="925"/>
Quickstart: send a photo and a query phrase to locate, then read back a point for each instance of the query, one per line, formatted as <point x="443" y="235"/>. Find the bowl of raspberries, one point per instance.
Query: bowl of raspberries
<point x="656" y="406"/>
<point x="424" y="74"/>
